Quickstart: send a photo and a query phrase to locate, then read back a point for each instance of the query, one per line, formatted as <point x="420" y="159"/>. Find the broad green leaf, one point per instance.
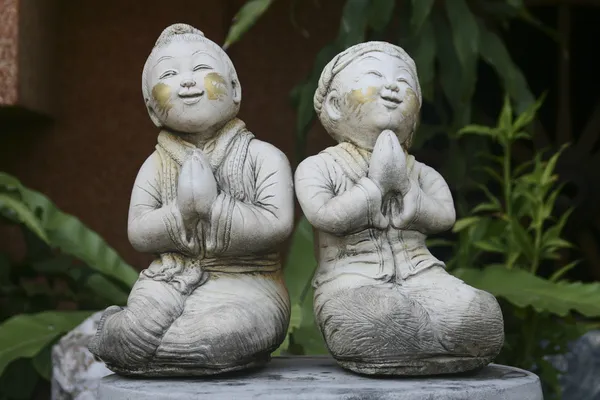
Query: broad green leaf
<point x="303" y="95"/>
<point x="42" y="362"/>
<point x="524" y="289"/>
<point x="8" y="182"/>
<point x="300" y="263"/>
<point x="107" y="289"/>
<point x="19" y="381"/>
<point x="495" y="53"/>
<point x="451" y="72"/>
<point x="295" y="322"/>
<point x="308" y="334"/>
<point x="465" y="32"/>
<point x="305" y="115"/>
<point x="245" y="18"/>
<point x="298" y="271"/>
<point x="420" y="12"/>
<point x="380" y="13"/>
<point x="71" y="236"/>
<point x="296" y="317"/>
<point x="23" y="214"/>
<point x="353" y="23"/>
<point x="26" y="334"/>
<point x="424" y="56"/>
<point x="464" y="223"/>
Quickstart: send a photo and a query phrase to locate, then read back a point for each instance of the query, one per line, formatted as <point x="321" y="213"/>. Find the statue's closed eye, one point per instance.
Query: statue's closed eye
<point x="376" y="73"/>
<point x="201" y="67"/>
<point x="168" y="73"/>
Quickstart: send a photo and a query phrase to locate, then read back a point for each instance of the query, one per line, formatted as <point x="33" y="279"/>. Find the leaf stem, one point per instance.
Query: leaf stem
<point x="531" y="322"/>
<point x="537" y="245"/>
<point x="507" y="182"/>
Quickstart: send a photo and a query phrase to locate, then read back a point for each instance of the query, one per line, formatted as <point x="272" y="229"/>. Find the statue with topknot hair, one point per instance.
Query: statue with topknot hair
<point x="384" y="304"/>
<point x="212" y="203"/>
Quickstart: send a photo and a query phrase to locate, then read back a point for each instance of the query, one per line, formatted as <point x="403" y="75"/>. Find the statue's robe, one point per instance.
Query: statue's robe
<point x="380" y="295"/>
<point x="214" y="298"/>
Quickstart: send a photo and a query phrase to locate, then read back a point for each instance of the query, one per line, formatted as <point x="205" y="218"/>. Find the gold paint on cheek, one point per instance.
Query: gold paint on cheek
<point x="411" y="103"/>
<point x="162" y="94"/>
<point x="358" y="97"/>
<point x="215" y="85"/>
<point x="410" y="112"/>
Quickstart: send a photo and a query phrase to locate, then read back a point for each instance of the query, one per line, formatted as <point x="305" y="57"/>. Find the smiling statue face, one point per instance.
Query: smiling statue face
<point x="372" y="94"/>
<point x="190" y="88"/>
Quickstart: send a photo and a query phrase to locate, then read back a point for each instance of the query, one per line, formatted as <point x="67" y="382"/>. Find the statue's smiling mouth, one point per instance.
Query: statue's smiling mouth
<point x="391" y="101"/>
<point x="191" y="96"/>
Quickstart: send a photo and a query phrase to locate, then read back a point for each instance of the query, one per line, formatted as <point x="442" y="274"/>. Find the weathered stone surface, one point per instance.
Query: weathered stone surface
<point x="318" y="378"/>
<point x="75" y="372"/>
<point x="580" y="368"/>
<point x="383" y="302"/>
<point x="212" y="203"/>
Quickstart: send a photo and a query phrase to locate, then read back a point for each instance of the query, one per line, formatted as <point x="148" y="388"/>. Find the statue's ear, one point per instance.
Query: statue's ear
<point x="236" y="89"/>
<point x="152" y="114"/>
<point x="332" y="104"/>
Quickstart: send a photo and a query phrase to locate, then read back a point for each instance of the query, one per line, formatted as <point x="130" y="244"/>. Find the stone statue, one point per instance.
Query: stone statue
<point x="212" y="203"/>
<point x="383" y="303"/>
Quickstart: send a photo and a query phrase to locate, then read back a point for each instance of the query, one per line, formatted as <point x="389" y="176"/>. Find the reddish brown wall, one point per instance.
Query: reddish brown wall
<point x="87" y="160"/>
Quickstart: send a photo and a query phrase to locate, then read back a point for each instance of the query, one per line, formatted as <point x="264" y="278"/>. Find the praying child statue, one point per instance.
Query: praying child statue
<point x="212" y="203"/>
<point x="383" y="302"/>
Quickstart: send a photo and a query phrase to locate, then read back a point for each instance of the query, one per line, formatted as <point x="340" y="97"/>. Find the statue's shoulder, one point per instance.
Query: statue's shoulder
<point x="317" y="164"/>
<point x="259" y="149"/>
<point x="153" y="160"/>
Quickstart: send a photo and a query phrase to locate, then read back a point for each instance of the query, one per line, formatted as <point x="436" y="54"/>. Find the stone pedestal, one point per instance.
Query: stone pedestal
<point x="319" y="378"/>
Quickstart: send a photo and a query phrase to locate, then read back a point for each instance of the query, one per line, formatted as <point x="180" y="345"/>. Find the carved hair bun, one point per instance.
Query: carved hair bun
<point x="177" y="29"/>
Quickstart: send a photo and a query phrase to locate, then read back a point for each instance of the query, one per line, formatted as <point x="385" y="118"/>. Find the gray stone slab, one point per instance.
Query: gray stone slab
<point x="320" y="378"/>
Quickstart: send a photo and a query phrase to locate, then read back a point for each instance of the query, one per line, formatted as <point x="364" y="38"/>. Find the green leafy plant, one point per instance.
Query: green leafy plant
<point x="303" y="335"/>
<point x="509" y="237"/>
<point x="67" y="272"/>
<point x="447" y="39"/>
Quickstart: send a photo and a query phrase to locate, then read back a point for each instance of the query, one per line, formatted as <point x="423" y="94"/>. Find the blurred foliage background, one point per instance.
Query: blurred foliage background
<point x="511" y="181"/>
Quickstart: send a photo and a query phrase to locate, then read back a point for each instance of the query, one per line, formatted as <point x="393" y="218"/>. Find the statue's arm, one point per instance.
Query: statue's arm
<point x="317" y="189"/>
<point x="435" y="207"/>
<point x="263" y="221"/>
<point x="154" y="226"/>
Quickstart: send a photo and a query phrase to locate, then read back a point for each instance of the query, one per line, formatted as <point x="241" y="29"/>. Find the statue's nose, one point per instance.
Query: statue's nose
<point x="393" y="86"/>
<point x="188" y="83"/>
